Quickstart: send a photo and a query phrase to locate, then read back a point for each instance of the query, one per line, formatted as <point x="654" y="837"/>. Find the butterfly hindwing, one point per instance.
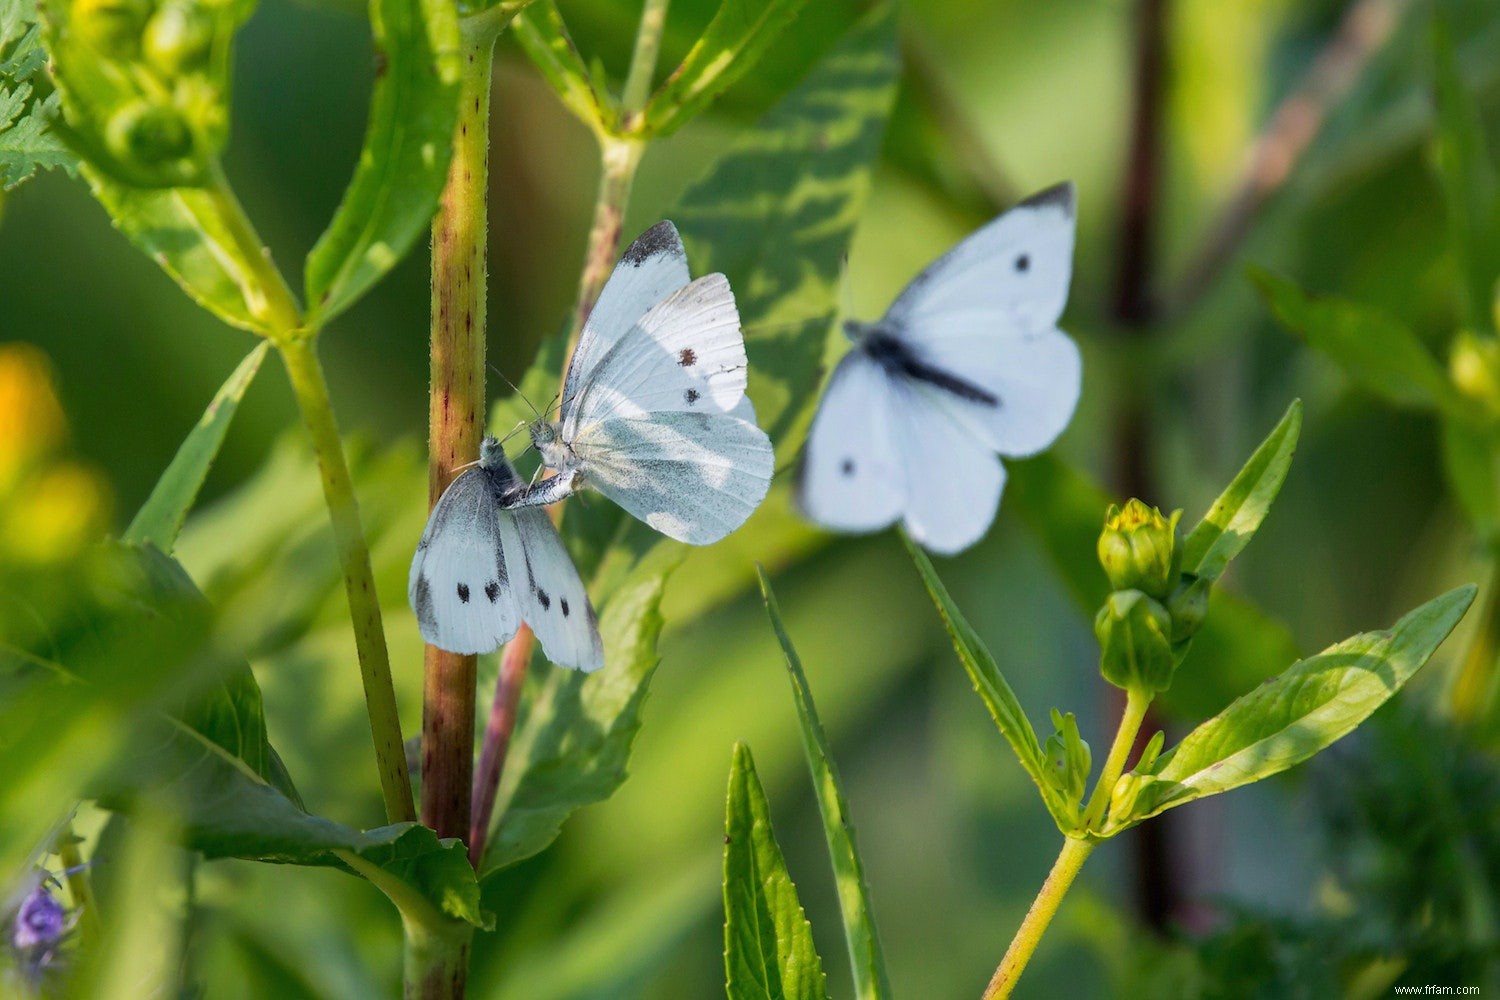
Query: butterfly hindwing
<point x="551" y="597"/>
<point x="458" y="585"/>
<point x="852" y="477"/>
<point x="953" y="478"/>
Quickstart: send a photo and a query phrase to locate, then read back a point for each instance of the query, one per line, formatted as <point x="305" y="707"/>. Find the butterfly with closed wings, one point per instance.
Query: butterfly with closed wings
<point x="967" y="364"/>
<point x="654" y="412"/>
<point x="484" y="566"/>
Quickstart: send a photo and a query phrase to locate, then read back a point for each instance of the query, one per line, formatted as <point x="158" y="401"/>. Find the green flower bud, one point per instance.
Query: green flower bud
<point x="1138" y="549"/>
<point x="144" y="134"/>
<point x="1474" y="366"/>
<point x="178" y="38"/>
<point x="1068" y="759"/>
<point x="1135" y="645"/>
<point x="1188" y="606"/>
<point x="112" y="27"/>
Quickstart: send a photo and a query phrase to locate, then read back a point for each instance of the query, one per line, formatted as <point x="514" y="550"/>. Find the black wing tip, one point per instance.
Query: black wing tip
<point x="659" y="239"/>
<point x="1063" y="196"/>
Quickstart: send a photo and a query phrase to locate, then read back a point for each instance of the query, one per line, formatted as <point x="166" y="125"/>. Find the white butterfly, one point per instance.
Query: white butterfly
<point x="482" y="568"/>
<point x="654" y="411"/>
<point x="967" y="362"/>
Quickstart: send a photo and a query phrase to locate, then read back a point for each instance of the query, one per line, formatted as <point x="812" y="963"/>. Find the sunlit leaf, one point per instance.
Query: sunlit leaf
<point x="160" y="518"/>
<point x="544" y="37"/>
<point x="1234" y="517"/>
<point x="768" y="945"/>
<point x="404" y="162"/>
<point x="865" y="957"/>
<point x="729" y="48"/>
<point x="1283" y="722"/>
<point x="776" y="214"/>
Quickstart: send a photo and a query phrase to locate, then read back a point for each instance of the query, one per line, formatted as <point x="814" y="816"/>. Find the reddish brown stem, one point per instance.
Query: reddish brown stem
<point x="497" y="735"/>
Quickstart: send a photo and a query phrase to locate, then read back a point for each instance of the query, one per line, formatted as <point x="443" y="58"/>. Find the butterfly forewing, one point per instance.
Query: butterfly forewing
<point x="653" y="267"/>
<point x="458" y="583"/>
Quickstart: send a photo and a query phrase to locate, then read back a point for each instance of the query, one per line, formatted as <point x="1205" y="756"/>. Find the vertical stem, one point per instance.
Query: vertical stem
<point x="1074" y="853"/>
<point x="643" y="59"/>
<point x="311" y="390"/>
<point x="497" y="737"/>
<point x="435" y="959"/>
<point x="618" y="158"/>
<point x="1136" y="704"/>
<point x="456" y="418"/>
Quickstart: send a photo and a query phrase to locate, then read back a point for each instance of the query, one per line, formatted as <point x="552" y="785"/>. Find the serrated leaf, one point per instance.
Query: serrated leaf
<point x="776" y="213"/>
<point x="573" y="748"/>
<point x="403" y="163"/>
<point x="729" y="47"/>
<point x="1467" y="176"/>
<point x="865" y="957"/>
<point x="1283" y="722"/>
<point x="27" y="142"/>
<point x="544" y="38"/>
<point x="1374" y="350"/>
<point x="1238" y="512"/>
<point x="991" y="685"/>
<point x="768" y="945"/>
<point x="161" y="517"/>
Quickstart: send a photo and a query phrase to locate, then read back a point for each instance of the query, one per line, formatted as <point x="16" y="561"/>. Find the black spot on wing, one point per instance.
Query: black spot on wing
<point x="847" y="468"/>
<point x="544" y="600"/>
<point x="426" y="618"/>
<point x="660" y="238"/>
<point x="492" y="591"/>
<point x="562" y="602"/>
<point x="463" y="592"/>
<point x="691" y="396"/>
<point x="1023" y="263"/>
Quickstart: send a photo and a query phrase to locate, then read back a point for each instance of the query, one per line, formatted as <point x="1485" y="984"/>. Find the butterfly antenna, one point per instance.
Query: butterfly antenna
<point x="514" y="431"/>
<point x="516" y="389"/>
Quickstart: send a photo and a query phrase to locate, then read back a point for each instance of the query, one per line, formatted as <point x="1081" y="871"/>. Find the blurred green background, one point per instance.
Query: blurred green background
<point x="998" y="99"/>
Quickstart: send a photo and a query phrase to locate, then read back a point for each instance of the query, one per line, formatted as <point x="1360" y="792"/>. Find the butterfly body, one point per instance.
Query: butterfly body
<point x="965" y="366"/>
<point x="485" y="564"/>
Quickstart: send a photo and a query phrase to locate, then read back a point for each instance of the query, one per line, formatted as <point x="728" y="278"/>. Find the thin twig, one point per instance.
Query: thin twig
<point x="1363" y="31"/>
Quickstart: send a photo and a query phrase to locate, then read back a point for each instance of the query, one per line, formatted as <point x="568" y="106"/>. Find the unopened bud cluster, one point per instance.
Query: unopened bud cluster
<point x="154" y="99"/>
<point x="1153" y="609"/>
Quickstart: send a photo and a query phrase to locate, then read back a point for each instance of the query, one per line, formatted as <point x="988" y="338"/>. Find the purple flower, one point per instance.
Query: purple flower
<point x="40" y="922"/>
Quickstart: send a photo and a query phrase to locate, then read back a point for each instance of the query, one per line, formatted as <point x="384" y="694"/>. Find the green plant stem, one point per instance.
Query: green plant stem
<point x="435" y="960"/>
<point x="1064" y="870"/>
<point x="456" y="418"/>
<point x="643" y="59"/>
<point x="268" y="297"/>
<point x="80" y="885"/>
<point x="1473" y="687"/>
<point x="311" y="390"/>
<point x="618" y="158"/>
<point x="1136" y="704"/>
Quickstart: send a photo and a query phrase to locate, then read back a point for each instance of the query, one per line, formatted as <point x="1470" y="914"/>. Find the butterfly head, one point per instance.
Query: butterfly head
<point x="549" y="443"/>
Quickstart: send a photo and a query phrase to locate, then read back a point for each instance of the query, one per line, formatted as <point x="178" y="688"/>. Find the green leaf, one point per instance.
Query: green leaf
<point x="991" y="685"/>
<point x="776" y="214"/>
<point x="768" y="945"/>
<point x="404" y="162"/>
<point x="1238" y="512"/>
<point x="574" y="745"/>
<point x="1283" y="722"/>
<point x="865" y="957"/>
<point x="1467" y="175"/>
<point x="544" y="37"/>
<point x="1374" y="350"/>
<point x="160" y="518"/>
<point x="1472" y="462"/>
<point x="729" y="48"/>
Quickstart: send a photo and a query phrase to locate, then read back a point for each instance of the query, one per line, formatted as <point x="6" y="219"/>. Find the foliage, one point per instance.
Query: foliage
<point x="28" y="109"/>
